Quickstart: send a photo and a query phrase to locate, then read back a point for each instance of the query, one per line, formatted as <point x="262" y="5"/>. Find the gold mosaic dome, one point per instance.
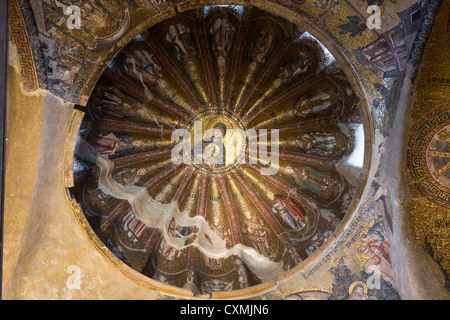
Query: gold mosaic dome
<point x="209" y="226"/>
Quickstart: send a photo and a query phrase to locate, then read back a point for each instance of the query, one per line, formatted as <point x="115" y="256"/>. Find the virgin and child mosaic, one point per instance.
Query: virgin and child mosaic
<point x="230" y="71"/>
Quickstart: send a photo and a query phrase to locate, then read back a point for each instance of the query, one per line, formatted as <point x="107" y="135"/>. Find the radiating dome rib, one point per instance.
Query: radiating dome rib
<point x="142" y="67"/>
<point x="222" y="182"/>
<point x="205" y="53"/>
<point x="262" y="208"/>
<point x="189" y="177"/>
<point x="241" y="106"/>
<point x="236" y="63"/>
<point x="147" y="97"/>
<point x="167" y="61"/>
<point x="263" y="44"/>
<point x="294" y="66"/>
<point x="307" y="124"/>
<point x="177" y="38"/>
<point x="114" y="105"/>
<point x="221" y="29"/>
<point x="268" y="193"/>
<point x="128" y="126"/>
<point x="252" y="115"/>
<point x="126" y="161"/>
<point x="124" y="205"/>
<point x="279" y="182"/>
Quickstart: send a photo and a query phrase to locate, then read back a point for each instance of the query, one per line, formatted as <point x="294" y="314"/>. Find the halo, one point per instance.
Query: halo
<point x="354" y="284"/>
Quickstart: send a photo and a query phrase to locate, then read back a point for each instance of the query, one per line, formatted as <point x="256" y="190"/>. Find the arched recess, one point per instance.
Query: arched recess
<point x="77" y="116"/>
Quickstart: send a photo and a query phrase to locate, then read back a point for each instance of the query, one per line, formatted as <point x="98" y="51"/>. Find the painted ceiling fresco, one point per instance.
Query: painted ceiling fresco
<point x="141" y="69"/>
<point x="228" y="69"/>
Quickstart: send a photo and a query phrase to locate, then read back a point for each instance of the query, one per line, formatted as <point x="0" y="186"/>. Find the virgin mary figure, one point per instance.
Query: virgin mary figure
<point x="212" y="147"/>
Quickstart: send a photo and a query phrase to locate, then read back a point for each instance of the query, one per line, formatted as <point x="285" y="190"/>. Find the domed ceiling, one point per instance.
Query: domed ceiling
<point x="214" y="225"/>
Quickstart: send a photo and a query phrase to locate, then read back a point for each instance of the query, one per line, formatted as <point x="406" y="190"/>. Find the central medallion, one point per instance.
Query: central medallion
<point x="219" y="141"/>
<point x="430" y="153"/>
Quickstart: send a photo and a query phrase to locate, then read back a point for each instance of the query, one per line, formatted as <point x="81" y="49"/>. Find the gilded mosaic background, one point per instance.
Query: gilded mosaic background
<point x="429" y="147"/>
<point x="68" y="63"/>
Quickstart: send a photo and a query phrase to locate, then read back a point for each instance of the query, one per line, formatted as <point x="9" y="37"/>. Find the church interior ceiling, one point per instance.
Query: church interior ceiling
<point x="138" y="71"/>
<point x="232" y="72"/>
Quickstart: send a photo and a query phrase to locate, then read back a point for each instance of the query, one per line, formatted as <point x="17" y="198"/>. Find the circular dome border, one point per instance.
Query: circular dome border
<point x="77" y="116"/>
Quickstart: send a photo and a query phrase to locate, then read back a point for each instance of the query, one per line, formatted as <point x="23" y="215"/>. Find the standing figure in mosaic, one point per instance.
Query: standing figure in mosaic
<point x="260" y="46"/>
<point x="316" y="181"/>
<point x="169" y="252"/>
<point x="181" y="43"/>
<point x="315" y="102"/>
<point x="321" y="144"/>
<point x="291" y="213"/>
<point x="222" y="33"/>
<point x="114" y="144"/>
<point x="291" y="70"/>
<point x="142" y="67"/>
